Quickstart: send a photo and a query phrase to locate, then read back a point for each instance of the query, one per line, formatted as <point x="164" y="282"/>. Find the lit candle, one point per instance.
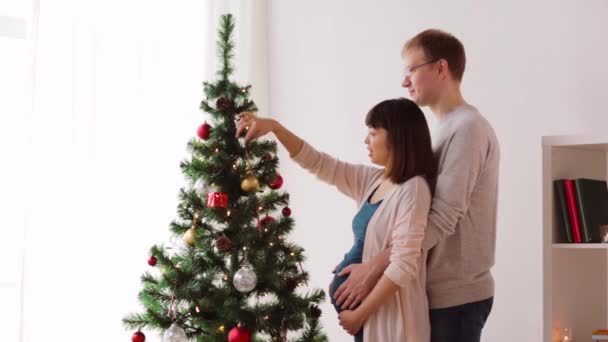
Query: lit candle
<point x="604" y="233"/>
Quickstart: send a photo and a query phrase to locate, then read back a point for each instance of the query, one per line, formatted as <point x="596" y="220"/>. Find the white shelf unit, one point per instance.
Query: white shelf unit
<point x="575" y="276"/>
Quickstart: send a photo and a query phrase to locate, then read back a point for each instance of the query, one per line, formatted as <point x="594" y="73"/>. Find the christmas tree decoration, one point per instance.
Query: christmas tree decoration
<point x="217" y="265"/>
<point x="291" y="284"/>
<point x="217" y="200"/>
<point x="203" y="131"/>
<point x="138" y="336"/>
<point x="201" y="187"/>
<point x="250" y="183"/>
<point x="175" y="334"/>
<point x="245" y="279"/>
<point x="265" y="221"/>
<point x="190" y="237"/>
<point x="239" y="334"/>
<point x="223" y="104"/>
<point x="277" y="183"/>
<point x="315" y="312"/>
<point x="223" y="244"/>
<point x="152" y="261"/>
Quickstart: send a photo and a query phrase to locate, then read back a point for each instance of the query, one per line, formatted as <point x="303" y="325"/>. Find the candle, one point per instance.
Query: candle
<point x="604" y="233"/>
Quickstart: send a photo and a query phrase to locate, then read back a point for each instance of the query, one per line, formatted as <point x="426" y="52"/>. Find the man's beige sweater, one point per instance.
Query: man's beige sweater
<point x="461" y="230"/>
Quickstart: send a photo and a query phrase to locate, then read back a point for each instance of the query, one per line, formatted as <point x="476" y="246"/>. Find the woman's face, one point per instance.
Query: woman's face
<point x="377" y="146"/>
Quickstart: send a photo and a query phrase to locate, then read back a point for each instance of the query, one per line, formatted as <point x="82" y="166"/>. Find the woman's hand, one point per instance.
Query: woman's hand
<point x="351" y="321"/>
<point x="256" y="127"/>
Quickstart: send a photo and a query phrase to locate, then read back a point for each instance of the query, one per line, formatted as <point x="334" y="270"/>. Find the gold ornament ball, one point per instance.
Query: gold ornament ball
<point x="189" y="237"/>
<point x="250" y="183"/>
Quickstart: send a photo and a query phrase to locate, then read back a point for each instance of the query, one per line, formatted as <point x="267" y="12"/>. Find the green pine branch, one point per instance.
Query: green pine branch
<point x="226" y="47"/>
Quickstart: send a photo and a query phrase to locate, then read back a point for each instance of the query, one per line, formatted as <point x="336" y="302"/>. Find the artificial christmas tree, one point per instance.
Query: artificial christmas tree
<point x="235" y="277"/>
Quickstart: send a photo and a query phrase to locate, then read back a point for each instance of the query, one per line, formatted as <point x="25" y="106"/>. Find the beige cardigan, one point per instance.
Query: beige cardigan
<point x="399" y="222"/>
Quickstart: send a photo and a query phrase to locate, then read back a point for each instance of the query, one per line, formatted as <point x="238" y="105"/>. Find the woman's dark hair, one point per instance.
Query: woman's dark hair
<point x="408" y="138"/>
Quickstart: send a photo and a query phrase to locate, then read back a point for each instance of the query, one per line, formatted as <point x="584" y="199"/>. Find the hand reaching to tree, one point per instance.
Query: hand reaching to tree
<point x="256" y="127"/>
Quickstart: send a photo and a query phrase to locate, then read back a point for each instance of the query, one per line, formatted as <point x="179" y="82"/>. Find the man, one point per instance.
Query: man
<point x="461" y="231"/>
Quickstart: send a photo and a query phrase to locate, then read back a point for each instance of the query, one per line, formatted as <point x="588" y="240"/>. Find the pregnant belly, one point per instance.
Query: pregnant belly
<point x="338" y="280"/>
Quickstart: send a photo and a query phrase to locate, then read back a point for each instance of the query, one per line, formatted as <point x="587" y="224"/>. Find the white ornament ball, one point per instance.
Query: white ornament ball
<point x="245" y="279"/>
<point x="175" y="334"/>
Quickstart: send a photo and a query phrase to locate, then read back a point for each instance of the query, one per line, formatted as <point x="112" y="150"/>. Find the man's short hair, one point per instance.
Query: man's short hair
<point x="438" y="44"/>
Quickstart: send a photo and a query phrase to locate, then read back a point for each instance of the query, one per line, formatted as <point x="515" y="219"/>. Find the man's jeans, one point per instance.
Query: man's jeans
<point x="461" y="323"/>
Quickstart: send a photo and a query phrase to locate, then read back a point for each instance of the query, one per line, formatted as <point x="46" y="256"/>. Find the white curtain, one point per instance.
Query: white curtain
<point x="117" y="89"/>
<point x="15" y="104"/>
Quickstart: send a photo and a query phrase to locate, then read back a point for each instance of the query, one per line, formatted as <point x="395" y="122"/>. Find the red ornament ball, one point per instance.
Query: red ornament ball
<point x="138" y="337"/>
<point x="277" y="183"/>
<point x="265" y="221"/>
<point x="203" y="131"/>
<point x="152" y="261"/>
<point x="239" y="334"/>
<point x="286" y="212"/>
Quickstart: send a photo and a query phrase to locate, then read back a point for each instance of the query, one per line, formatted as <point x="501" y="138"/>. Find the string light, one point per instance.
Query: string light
<point x="221" y="328"/>
<point x="197" y="309"/>
<point x="228" y="213"/>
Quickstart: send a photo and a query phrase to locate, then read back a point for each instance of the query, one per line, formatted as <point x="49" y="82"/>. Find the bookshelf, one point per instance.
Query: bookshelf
<point x="575" y="276"/>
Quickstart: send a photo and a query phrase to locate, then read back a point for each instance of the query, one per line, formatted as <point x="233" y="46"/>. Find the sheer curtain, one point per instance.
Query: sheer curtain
<point x="117" y="89"/>
<point x="15" y="104"/>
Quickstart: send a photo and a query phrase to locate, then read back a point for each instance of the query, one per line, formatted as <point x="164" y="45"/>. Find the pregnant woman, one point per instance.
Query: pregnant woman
<point x="393" y="200"/>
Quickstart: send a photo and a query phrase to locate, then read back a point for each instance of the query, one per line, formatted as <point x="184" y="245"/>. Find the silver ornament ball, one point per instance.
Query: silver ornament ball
<point x="245" y="279"/>
<point x="175" y="334"/>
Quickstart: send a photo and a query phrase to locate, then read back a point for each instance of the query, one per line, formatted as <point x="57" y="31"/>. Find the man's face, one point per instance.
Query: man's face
<point x="420" y="77"/>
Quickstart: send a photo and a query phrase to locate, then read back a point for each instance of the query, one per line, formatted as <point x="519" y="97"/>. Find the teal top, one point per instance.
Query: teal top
<point x="360" y="222"/>
<point x="355" y="254"/>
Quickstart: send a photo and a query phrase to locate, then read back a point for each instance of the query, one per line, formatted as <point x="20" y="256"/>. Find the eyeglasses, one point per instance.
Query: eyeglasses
<point x="407" y="72"/>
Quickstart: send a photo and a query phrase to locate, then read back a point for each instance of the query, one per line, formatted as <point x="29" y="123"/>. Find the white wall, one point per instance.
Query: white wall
<point x="534" y="68"/>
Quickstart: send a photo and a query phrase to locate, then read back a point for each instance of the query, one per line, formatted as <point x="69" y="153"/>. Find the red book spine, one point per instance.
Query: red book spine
<point x="573" y="211"/>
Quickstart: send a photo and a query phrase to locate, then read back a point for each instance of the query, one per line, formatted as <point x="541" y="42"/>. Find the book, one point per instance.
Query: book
<point x="599" y="335"/>
<point x="573" y="210"/>
<point x="564" y="230"/>
<point x="592" y="202"/>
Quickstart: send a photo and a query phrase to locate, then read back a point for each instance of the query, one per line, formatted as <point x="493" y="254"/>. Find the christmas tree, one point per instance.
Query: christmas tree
<point x="233" y="276"/>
